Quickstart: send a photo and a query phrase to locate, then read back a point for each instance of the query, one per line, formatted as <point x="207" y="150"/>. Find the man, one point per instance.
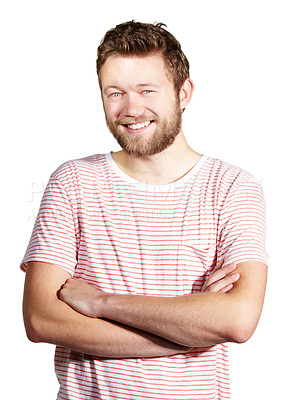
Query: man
<point x="143" y="263"/>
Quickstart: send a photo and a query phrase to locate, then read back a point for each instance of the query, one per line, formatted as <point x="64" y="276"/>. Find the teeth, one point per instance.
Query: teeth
<point x="138" y="126"/>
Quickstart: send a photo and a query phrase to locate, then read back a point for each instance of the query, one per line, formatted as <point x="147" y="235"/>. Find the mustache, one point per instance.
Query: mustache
<point x="131" y="120"/>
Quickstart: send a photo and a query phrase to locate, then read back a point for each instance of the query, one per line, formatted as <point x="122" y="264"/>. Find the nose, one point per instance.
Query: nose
<point x="133" y="105"/>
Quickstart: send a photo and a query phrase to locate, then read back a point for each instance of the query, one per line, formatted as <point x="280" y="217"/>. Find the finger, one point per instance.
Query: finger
<point x="58" y="293"/>
<point x="222" y="283"/>
<point x="221" y="273"/>
<point x="226" y="289"/>
<point x="60" y="290"/>
<point x="222" y="265"/>
<point x="218" y="266"/>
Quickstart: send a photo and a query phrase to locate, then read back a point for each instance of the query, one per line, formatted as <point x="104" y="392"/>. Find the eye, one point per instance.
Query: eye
<point x="147" y="91"/>
<point x="116" y="94"/>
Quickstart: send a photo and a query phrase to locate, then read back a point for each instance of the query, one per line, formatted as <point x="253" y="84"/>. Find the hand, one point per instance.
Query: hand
<point x="221" y="279"/>
<point x="87" y="300"/>
<point x="82" y="297"/>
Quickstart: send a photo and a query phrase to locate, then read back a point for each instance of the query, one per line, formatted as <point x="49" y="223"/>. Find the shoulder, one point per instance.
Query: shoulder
<point x="80" y="169"/>
<point x="227" y="175"/>
<point x="74" y="176"/>
<point x="224" y="183"/>
<point x="86" y="165"/>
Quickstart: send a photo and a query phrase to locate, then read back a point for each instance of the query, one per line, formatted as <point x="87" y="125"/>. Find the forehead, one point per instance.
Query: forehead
<point x="118" y="70"/>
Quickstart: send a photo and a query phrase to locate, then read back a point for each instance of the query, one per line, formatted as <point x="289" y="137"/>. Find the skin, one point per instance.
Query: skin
<point x="87" y="300"/>
<point x="141" y="116"/>
<point x="203" y="319"/>
<point x="48" y="318"/>
<point x="144" y="92"/>
<point x="71" y="313"/>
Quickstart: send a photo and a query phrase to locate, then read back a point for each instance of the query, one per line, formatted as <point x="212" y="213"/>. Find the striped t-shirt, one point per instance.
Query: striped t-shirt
<point x="127" y="237"/>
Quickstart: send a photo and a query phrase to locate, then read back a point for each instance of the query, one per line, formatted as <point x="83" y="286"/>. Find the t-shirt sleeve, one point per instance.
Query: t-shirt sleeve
<point x="242" y="228"/>
<point x="54" y="237"/>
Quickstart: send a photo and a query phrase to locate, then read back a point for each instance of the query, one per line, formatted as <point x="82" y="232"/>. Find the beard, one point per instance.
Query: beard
<point x="138" y="146"/>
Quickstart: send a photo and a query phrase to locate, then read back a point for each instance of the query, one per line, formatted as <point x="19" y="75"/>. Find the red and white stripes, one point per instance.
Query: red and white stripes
<point x="128" y="237"/>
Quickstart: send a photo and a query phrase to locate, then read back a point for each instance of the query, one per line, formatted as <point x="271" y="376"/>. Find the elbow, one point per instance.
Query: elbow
<point x="32" y="334"/>
<point x="32" y="328"/>
<point x="241" y="334"/>
<point x="242" y="328"/>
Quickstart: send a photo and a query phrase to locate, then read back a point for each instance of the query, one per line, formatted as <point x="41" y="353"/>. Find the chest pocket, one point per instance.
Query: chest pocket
<point x="197" y="262"/>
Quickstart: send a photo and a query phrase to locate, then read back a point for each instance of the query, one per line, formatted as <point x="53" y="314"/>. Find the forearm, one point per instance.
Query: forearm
<point x="60" y="325"/>
<point x="48" y="319"/>
<point x="197" y="320"/>
<point x="203" y="319"/>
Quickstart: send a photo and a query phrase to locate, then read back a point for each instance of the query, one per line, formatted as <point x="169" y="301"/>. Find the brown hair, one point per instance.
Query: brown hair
<point x="136" y="38"/>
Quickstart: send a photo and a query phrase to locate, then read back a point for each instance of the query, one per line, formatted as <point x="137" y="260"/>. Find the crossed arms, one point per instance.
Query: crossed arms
<point x="73" y="314"/>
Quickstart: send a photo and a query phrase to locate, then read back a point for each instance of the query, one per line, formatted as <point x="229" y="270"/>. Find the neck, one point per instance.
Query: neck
<point x="162" y="168"/>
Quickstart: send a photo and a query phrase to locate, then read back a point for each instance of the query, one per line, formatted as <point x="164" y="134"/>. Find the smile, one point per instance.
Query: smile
<point x="138" y="126"/>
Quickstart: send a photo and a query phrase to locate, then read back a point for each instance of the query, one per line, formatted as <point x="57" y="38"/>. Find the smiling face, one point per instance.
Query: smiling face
<point x="141" y="107"/>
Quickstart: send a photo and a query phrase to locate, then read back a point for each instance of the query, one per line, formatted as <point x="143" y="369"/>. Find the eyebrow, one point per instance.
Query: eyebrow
<point x="140" y="85"/>
<point x="111" y="87"/>
<point x="148" y="84"/>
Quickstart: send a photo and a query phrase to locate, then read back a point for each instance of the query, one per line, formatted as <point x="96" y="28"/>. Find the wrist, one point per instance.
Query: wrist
<point x="104" y="305"/>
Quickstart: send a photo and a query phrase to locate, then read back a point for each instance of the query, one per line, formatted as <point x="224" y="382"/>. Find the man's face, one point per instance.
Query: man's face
<point x="141" y="106"/>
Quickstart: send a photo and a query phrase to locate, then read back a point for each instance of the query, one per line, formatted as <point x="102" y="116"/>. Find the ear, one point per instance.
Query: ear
<point x="186" y="92"/>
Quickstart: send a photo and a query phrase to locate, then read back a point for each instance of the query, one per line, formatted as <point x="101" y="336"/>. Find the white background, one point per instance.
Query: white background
<point x="51" y="112"/>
